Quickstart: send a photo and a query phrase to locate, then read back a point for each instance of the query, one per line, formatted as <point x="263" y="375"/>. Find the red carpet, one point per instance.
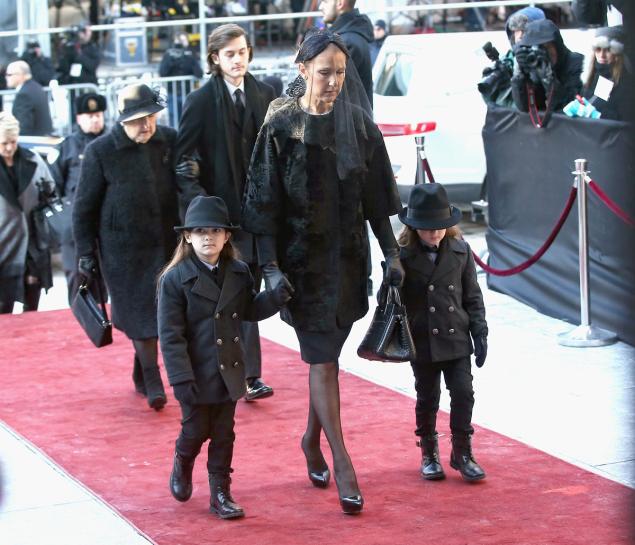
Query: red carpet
<point x="78" y="405"/>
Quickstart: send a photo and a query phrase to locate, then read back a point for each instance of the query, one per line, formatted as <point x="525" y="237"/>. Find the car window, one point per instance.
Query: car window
<point x="395" y="74"/>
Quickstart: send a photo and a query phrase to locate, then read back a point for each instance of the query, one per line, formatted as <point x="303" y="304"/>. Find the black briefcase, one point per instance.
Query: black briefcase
<point x="388" y="338"/>
<point x="92" y="315"/>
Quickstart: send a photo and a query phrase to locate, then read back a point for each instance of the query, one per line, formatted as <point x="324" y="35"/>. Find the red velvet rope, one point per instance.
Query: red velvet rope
<point x="526" y="264"/>
<point x="610" y="204"/>
<point x="426" y="167"/>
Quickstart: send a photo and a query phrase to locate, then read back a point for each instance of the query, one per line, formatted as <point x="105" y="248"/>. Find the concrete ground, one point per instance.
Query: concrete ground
<point x="573" y="403"/>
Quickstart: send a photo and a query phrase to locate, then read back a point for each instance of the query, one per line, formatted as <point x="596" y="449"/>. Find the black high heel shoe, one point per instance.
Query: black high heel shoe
<point x="318" y="478"/>
<point x="352" y="505"/>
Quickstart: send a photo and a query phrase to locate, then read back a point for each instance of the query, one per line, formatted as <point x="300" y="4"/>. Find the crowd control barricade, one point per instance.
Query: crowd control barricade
<point x="529" y="177"/>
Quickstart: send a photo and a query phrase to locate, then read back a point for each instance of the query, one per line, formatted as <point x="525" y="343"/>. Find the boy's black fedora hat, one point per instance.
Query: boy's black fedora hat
<point x="206" y="212"/>
<point x="429" y="208"/>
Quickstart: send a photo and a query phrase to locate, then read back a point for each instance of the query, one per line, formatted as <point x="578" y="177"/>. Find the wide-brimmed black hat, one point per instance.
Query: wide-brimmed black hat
<point x="138" y="100"/>
<point x="89" y="103"/>
<point x="429" y="208"/>
<point x="206" y="212"/>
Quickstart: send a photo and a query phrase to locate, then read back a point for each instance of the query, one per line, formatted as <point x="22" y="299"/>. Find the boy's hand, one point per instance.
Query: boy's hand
<point x="480" y="350"/>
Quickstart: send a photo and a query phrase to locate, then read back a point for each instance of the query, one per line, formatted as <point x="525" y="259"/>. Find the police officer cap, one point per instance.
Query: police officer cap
<point x="90" y="103"/>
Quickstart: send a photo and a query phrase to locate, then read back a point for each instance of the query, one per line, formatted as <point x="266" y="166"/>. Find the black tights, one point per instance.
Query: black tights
<point x="147" y="351"/>
<point x="324" y="413"/>
<point x="32" y="290"/>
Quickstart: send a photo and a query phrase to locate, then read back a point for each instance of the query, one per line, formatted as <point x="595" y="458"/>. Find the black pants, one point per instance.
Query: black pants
<point x="458" y="380"/>
<point x="214" y="422"/>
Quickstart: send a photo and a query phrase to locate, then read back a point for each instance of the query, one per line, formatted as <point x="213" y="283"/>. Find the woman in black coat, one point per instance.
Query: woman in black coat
<point x="25" y="259"/>
<point x="318" y="172"/>
<point x="126" y="206"/>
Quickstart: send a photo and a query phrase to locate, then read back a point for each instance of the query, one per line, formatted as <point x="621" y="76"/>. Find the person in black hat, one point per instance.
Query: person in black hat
<point x="126" y="204"/>
<point x="380" y="33"/>
<point x="42" y="68"/>
<point x="205" y="294"/>
<point x="445" y="305"/>
<point x="90" y="108"/>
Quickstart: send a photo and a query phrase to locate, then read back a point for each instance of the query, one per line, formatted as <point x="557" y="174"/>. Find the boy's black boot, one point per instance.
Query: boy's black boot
<point x="181" y="477"/>
<point x="221" y="501"/>
<point x="431" y="468"/>
<point x="462" y="459"/>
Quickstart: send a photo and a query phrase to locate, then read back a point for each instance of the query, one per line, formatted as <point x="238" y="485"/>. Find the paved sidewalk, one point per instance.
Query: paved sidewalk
<point x="574" y="403"/>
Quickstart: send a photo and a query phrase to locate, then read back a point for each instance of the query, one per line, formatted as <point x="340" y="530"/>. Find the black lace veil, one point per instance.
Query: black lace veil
<point x="351" y="111"/>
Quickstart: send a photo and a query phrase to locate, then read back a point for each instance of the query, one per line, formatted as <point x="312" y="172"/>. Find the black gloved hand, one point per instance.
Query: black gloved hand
<point x="394" y="273"/>
<point x="87" y="266"/>
<point x="283" y="292"/>
<point x="186" y="392"/>
<point x="521" y="54"/>
<point x="544" y="72"/>
<point x="480" y="350"/>
<point x="188" y="168"/>
<point x="272" y="275"/>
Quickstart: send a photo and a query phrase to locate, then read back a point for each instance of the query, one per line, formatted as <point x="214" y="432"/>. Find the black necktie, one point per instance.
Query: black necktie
<point x="240" y="107"/>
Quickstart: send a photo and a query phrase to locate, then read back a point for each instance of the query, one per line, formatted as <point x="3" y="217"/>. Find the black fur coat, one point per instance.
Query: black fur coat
<point x="126" y="204"/>
<point x="293" y="192"/>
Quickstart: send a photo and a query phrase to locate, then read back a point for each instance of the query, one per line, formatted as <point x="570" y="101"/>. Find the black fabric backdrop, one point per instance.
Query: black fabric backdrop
<point x="529" y="179"/>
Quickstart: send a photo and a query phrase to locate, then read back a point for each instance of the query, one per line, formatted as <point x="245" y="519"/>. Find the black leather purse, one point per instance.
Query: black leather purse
<point x="92" y="315"/>
<point x="53" y="215"/>
<point x="388" y="338"/>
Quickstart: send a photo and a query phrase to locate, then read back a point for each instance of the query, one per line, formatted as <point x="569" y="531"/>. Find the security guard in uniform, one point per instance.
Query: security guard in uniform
<point x="90" y="109"/>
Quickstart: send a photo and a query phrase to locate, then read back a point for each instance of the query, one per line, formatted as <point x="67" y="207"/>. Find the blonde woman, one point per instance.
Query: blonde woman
<point x="25" y="260"/>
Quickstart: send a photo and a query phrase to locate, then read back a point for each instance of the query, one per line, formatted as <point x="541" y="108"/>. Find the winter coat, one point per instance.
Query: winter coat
<point x="318" y="220"/>
<point x="178" y="61"/>
<point x="126" y="206"/>
<point x="357" y="32"/>
<point x="31" y="109"/>
<point x="88" y="56"/>
<point x="209" y="129"/>
<point x="567" y="71"/>
<point x="443" y="301"/>
<point x="620" y="104"/>
<point x="42" y="68"/>
<point x="199" y="326"/>
<point x="22" y="242"/>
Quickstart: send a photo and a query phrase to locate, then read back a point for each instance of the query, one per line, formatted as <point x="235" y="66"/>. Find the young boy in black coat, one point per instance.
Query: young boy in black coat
<point x="445" y="305"/>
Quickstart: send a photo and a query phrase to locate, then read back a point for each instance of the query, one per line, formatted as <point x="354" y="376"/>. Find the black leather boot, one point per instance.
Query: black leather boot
<point x="431" y="468"/>
<point x="221" y="501"/>
<point x="462" y="459"/>
<point x="137" y="377"/>
<point x="154" y="387"/>
<point x="181" y="477"/>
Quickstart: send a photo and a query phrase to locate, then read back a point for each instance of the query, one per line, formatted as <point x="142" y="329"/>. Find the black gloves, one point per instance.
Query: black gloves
<point x="188" y="168"/>
<point x="272" y="275"/>
<point x="87" y="266"/>
<point x="394" y="273"/>
<point x="186" y="392"/>
<point x="480" y="350"/>
<point x="283" y="292"/>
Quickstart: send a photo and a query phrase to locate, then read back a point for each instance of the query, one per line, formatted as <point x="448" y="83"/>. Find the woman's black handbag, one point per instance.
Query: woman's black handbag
<point x="92" y="315"/>
<point x="388" y="338"/>
<point x="53" y="215"/>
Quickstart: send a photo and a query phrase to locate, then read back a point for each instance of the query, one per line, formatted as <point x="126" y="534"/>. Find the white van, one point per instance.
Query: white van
<point x="427" y="82"/>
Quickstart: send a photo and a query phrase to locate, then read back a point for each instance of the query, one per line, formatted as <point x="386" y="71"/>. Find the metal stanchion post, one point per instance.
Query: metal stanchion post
<point x="421" y="155"/>
<point x="585" y="334"/>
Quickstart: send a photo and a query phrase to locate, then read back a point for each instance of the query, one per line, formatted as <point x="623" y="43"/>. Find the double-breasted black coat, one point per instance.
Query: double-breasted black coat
<point x="443" y="301"/>
<point x="199" y="327"/>
<point x="318" y="220"/>
<point x="126" y="205"/>
<point x="209" y="128"/>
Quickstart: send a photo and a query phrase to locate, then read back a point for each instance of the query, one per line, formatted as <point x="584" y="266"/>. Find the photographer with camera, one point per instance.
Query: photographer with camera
<point x="42" y="69"/>
<point x="79" y="57"/>
<point x="546" y="74"/>
<point x="495" y="87"/>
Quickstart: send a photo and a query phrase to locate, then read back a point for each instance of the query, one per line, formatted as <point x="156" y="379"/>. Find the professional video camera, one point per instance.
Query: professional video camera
<point x="496" y="77"/>
<point x="71" y="37"/>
